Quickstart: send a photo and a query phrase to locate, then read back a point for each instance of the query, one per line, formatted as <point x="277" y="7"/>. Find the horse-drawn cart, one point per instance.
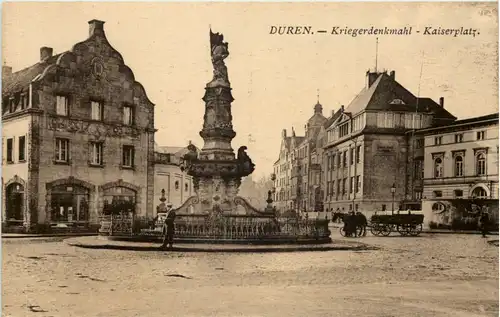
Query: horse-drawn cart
<point x="405" y="224"/>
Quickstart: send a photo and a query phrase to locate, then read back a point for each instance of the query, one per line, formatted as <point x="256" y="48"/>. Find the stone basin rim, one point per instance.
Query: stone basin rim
<point x="96" y="243"/>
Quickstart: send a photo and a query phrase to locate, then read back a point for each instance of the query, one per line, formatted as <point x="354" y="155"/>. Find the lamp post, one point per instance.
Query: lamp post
<point x="393" y="191"/>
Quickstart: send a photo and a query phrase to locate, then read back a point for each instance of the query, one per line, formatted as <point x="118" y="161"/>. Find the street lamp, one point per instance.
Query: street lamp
<point x="393" y="191"/>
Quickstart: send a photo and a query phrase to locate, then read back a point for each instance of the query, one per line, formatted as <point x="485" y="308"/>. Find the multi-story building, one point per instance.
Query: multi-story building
<point x="366" y="150"/>
<point x="307" y="163"/>
<point x="77" y="135"/>
<point x="460" y="169"/>
<point x="282" y="176"/>
<point x="177" y="184"/>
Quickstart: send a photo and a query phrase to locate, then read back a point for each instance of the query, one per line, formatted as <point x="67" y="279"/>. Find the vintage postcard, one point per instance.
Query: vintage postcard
<point x="249" y="159"/>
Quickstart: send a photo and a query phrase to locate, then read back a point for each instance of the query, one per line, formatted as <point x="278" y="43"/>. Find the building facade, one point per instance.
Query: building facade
<point x="282" y="172"/>
<point x="170" y="177"/>
<point x="78" y="136"/>
<point x="460" y="172"/>
<point x="366" y="150"/>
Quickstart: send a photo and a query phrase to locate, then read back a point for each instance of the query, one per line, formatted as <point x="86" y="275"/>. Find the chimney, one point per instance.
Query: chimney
<point x="283" y="133"/>
<point x="333" y="113"/>
<point x="371" y="78"/>
<point x="393" y="75"/>
<point x="441" y="101"/>
<point x="96" y="27"/>
<point x="6" y="70"/>
<point x="45" y="52"/>
<point x="342" y="108"/>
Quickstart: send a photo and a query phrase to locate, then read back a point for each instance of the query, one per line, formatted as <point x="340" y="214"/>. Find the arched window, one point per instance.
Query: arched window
<point x="438" y="167"/>
<point x="119" y="199"/>
<point x="459" y="166"/>
<point x="438" y="207"/>
<point x="70" y="203"/>
<point x="14" y="203"/>
<point x="479" y="192"/>
<point x="176" y="184"/>
<point x="481" y="164"/>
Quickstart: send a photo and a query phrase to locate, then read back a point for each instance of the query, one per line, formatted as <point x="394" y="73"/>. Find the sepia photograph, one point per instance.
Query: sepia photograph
<point x="250" y="159"/>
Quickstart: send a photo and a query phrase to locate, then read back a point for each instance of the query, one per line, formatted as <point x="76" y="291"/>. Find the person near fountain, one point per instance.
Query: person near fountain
<point x="168" y="239"/>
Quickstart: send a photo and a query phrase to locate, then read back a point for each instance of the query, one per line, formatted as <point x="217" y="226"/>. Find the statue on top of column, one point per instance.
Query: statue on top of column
<point x="219" y="52"/>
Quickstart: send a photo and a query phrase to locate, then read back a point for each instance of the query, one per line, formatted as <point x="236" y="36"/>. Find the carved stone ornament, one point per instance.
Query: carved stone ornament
<point x="92" y="128"/>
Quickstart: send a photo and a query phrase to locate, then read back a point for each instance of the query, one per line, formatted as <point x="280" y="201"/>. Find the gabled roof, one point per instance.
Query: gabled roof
<point x="332" y="119"/>
<point x="178" y="151"/>
<point x="20" y="80"/>
<point x="382" y="93"/>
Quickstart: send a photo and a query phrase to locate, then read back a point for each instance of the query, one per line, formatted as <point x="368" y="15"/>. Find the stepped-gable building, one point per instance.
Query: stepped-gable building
<point x="367" y="152"/>
<point x="282" y="175"/>
<point x="78" y="135"/>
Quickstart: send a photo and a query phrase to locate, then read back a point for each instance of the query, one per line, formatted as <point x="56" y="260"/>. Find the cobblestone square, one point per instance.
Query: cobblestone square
<point x="430" y="275"/>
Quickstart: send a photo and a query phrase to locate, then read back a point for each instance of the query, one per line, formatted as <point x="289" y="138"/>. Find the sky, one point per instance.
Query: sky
<point x="275" y="78"/>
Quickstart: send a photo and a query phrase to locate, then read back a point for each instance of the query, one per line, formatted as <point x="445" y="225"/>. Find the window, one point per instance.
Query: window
<point x="344" y="158"/>
<point x="438" y="140"/>
<point x="459" y="138"/>
<point x="70" y="203"/>
<point x="186" y="187"/>
<point x="22" y="148"/>
<point x="344" y="185"/>
<point x="351" y="154"/>
<point x="480" y="135"/>
<point x="479" y="192"/>
<point x="128" y="115"/>
<point x="96" y="153"/>
<point x="343" y="130"/>
<point x="62" y="106"/>
<point x="12" y="105"/>
<point x="97" y="110"/>
<point x="438" y="193"/>
<point x="176" y="184"/>
<point x="128" y="156"/>
<point x="419" y="143"/>
<point x="458" y="193"/>
<point x="62" y="150"/>
<point x="438" y="167"/>
<point x="459" y="166"/>
<point x="384" y="207"/>
<point x="481" y="164"/>
<point x="358" y="153"/>
<point x="358" y="183"/>
<point x="10" y="150"/>
<point x="418" y="195"/>
<point x="24" y="101"/>
<point x="352" y="189"/>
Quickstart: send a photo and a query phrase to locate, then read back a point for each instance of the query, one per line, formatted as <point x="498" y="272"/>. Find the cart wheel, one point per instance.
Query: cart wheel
<point x="386" y="230"/>
<point x="404" y="230"/>
<point x="415" y="230"/>
<point x="375" y="229"/>
<point x="342" y="232"/>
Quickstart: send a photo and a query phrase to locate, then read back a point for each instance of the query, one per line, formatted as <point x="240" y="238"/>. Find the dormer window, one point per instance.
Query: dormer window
<point x="24" y="101"/>
<point x="397" y="102"/>
<point x="12" y="105"/>
<point x="62" y="106"/>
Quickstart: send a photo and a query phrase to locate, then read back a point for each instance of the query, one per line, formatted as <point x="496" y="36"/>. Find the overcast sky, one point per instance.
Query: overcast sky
<point x="275" y="79"/>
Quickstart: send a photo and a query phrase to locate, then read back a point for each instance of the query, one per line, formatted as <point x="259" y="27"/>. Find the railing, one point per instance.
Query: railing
<point x="235" y="227"/>
<point x="121" y="224"/>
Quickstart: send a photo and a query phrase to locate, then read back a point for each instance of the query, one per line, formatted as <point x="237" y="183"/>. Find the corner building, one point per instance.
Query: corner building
<point x="366" y="149"/>
<point x="78" y="134"/>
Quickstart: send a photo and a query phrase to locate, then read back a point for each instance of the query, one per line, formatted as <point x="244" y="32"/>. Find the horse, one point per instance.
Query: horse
<point x="360" y="223"/>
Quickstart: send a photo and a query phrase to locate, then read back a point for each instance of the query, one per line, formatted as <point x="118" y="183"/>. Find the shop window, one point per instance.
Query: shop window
<point x="69" y="203"/>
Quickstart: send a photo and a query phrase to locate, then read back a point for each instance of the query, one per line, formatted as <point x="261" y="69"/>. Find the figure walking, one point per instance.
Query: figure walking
<point x="362" y="222"/>
<point x="169" y="228"/>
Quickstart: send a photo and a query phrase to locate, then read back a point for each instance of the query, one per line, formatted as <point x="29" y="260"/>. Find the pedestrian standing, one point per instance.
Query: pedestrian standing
<point x="168" y="239"/>
<point x="483" y="222"/>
